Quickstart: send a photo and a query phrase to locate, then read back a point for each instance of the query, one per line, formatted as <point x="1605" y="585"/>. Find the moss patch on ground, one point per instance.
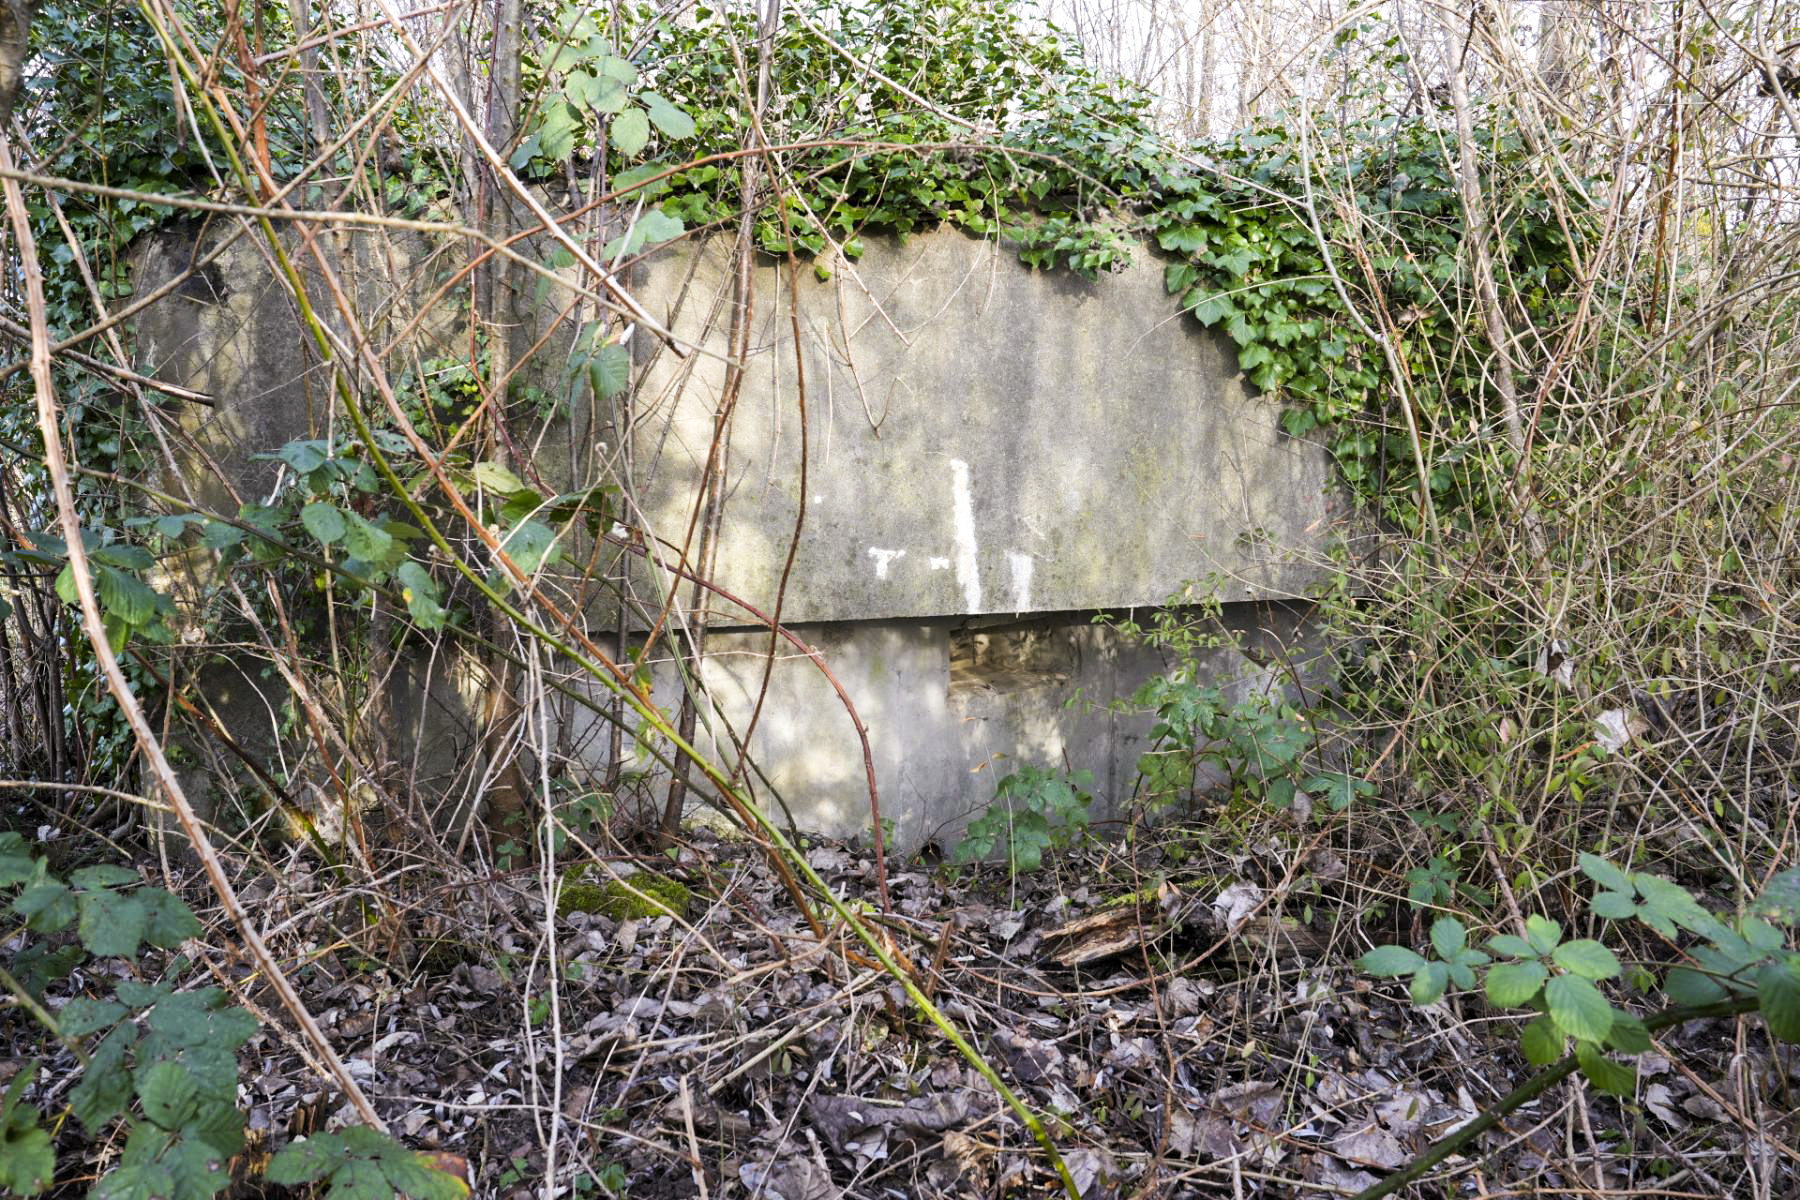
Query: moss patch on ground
<point x="643" y="895"/>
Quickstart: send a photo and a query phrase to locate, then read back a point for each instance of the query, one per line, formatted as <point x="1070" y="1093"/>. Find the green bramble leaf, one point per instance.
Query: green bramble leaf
<point x="1541" y="1041"/>
<point x="1389" y="961"/>
<point x="168" y="921"/>
<point x="112" y="923"/>
<point x="82" y="1016"/>
<point x="631" y="132"/>
<point x="168" y="1093"/>
<point x="1780" y="900"/>
<point x="413" y="1174"/>
<point x="1542" y="933"/>
<point x="1586" y="958"/>
<point x="1429" y="982"/>
<point x="1604" y="873"/>
<point x="1610" y="1076"/>
<point x="27" y="1157"/>
<point x="1628" y="1034"/>
<point x="1778" y="996"/>
<point x="306" y="1161"/>
<point x="325" y="521"/>
<point x="1690" y="988"/>
<point x="669" y="120"/>
<point x="1511" y="946"/>
<point x="1614" y="906"/>
<point x="1448" y="937"/>
<point x="420" y="591"/>
<point x="1512" y="984"/>
<point x="1578" y="1008"/>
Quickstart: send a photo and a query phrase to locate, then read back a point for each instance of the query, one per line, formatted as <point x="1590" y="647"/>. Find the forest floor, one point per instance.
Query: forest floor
<point x="1186" y="1018"/>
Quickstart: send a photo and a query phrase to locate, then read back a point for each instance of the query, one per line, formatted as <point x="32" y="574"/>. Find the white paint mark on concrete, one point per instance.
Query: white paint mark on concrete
<point x="968" y="572"/>
<point x="883" y="558"/>
<point x="1021" y="580"/>
<point x="939" y="564"/>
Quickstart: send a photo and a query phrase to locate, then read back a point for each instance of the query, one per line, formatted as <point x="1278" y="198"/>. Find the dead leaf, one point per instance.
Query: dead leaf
<point x="1370" y="1146"/>
<point x="793" y="1178"/>
<point x="1661" y="1102"/>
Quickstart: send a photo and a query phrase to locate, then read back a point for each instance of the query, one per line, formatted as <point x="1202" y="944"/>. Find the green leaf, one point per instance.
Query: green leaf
<point x="112" y="924"/>
<point x="82" y="1016"/>
<point x="1511" y="946"/>
<point x="496" y="478"/>
<point x="1608" y="1075"/>
<point x="651" y="229"/>
<point x="609" y="370"/>
<point x="1448" y="937"/>
<point x="138" y="1181"/>
<point x="1388" y="961"/>
<point x="125" y="596"/>
<point x="324" y="521"/>
<point x="1614" y="906"/>
<point x="414" y="1175"/>
<point x="1542" y="933"/>
<point x="104" y="875"/>
<point x="368" y="542"/>
<point x="105" y="1087"/>
<point x="47" y="906"/>
<point x="420" y="592"/>
<point x="27" y="1159"/>
<point x="1512" y="984"/>
<point x="1541" y="1041"/>
<point x="1780" y="900"/>
<point x="530" y="546"/>
<point x="1778" y="995"/>
<point x="631" y="132"/>
<point x="1690" y="988"/>
<point x="168" y="1093"/>
<point x="1429" y="982"/>
<point x="303" y="1162"/>
<point x="1586" y="958"/>
<point x="1578" y="1008"/>
<point x="170" y="922"/>
<point x="1628" y="1035"/>
<point x="1604" y="873"/>
<point x="671" y="121"/>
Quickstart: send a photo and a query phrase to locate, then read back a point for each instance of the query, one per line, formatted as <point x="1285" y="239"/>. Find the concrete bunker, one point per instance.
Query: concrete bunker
<point x="990" y="456"/>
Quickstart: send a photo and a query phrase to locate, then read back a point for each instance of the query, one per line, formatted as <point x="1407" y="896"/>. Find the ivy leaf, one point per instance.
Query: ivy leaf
<point x="303" y="1162"/>
<point x="1541" y="1041"/>
<point x="1388" y="961"/>
<point x="671" y="121"/>
<point x="1512" y="984"/>
<point x="1778" y="995"/>
<point x="1610" y="1076"/>
<point x="631" y="132"/>
<point x="1586" y="958"/>
<point x="1578" y="1008"/>
<point x="112" y="924"/>
<point x="325" y="521"/>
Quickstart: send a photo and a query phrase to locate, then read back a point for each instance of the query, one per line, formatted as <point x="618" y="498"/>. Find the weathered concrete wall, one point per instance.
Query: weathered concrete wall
<point x="980" y="439"/>
<point x="991" y="454"/>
